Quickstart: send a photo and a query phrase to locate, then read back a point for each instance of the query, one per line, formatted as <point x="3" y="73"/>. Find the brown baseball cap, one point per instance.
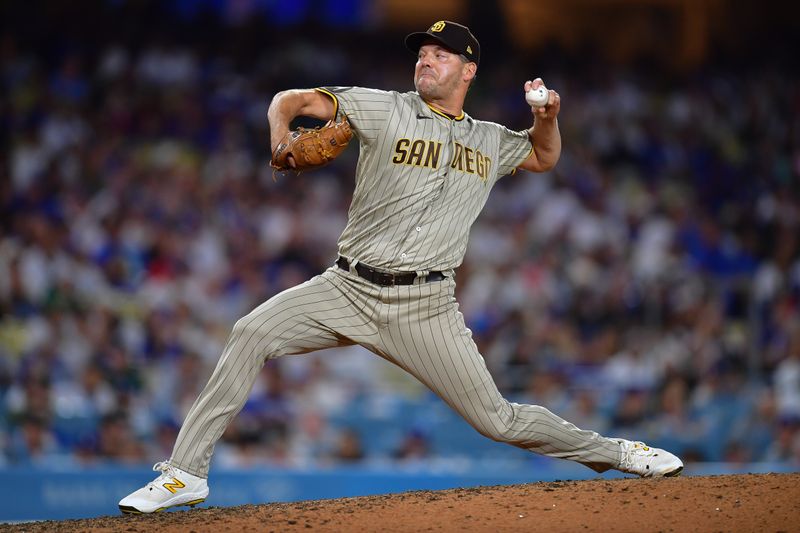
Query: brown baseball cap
<point x="451" y="35"/>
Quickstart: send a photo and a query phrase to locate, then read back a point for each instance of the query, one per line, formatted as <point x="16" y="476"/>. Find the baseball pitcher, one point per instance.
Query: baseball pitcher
<point x="425" y="170"/>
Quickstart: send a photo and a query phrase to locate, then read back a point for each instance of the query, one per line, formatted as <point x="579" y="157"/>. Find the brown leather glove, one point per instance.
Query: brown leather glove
<point x="312" y="148"/>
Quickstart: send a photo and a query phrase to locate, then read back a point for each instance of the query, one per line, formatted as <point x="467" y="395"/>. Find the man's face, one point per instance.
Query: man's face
<point x="438" y="72"/>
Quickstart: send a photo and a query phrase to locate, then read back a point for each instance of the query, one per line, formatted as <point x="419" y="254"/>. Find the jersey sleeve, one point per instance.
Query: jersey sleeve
<point x="515" y="148"/>
<point x="366" y="109"/>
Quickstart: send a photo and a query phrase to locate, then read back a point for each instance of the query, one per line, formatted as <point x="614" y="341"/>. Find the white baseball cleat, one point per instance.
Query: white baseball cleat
<point x="640" y="459"/>
<point x="172" y="488"/>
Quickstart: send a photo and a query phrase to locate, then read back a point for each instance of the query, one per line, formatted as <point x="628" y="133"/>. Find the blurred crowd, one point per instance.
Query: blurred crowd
<point x="648" y="287"/>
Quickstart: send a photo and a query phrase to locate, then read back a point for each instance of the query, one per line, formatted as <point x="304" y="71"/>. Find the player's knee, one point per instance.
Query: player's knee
<point x="249" y="334"/>
<point x="499" y="433"/>
<point x="243" y="328"/>
<point x="501" y="425"/>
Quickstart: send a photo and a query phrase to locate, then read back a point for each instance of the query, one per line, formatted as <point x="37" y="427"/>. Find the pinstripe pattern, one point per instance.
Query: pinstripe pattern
<point x="414" y="218"/>
<point x="299" y="320"/>
<point x="418" y="327"/>
<point x="405" y="216"/>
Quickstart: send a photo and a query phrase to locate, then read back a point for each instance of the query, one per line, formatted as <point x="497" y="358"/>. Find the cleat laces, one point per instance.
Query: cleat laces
<point x="167" y="473"/>
<point x="633" y="451"/>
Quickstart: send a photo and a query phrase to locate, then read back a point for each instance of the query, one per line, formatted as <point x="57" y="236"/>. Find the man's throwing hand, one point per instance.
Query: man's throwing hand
<point x="544" y="102"/>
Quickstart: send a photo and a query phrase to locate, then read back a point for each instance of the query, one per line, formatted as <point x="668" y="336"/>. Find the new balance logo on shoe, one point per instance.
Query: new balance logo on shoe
<point x="176" y="484"/>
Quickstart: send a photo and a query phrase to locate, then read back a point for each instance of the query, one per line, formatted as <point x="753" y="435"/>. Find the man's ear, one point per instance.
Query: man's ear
<point x="470" y="69"/>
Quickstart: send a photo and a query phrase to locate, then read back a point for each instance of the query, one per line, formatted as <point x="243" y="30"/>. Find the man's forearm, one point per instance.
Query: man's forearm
<point x="546" y="141"/>
<point x="285" y="106"/>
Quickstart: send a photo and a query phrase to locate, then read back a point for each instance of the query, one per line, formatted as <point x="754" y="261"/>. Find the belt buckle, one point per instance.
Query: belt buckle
<point x="385" y="278"/>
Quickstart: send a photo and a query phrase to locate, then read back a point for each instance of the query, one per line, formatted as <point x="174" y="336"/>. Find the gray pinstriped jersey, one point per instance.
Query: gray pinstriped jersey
<point x="422" y="178"/>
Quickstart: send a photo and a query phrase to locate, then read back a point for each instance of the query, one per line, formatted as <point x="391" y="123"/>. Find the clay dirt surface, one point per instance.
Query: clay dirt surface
<point x="751" y="502"/>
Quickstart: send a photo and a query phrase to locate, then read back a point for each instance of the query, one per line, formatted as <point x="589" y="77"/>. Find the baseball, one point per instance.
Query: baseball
<point x="537" y="97"/>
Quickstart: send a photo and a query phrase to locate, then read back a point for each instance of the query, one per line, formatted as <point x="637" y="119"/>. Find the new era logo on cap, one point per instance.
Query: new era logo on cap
<point x="451" y="35"/>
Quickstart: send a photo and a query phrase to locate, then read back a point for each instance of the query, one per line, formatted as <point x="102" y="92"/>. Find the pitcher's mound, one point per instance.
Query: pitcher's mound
<point x="753" y="502"/>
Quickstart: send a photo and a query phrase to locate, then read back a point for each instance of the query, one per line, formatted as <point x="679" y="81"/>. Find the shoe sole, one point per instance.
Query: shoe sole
<point x="674" y="473"/>
<point x="127" y="509"/>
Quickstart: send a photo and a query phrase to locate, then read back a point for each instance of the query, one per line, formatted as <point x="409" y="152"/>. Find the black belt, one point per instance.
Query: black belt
<point x="387" y="279"/>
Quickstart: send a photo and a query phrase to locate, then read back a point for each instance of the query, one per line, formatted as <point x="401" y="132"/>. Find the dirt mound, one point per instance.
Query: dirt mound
<point x="753" y="502"/>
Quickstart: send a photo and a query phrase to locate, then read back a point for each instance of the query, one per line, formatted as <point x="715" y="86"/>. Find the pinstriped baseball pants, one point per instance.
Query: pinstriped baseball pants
<point x="417" y="327"/>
